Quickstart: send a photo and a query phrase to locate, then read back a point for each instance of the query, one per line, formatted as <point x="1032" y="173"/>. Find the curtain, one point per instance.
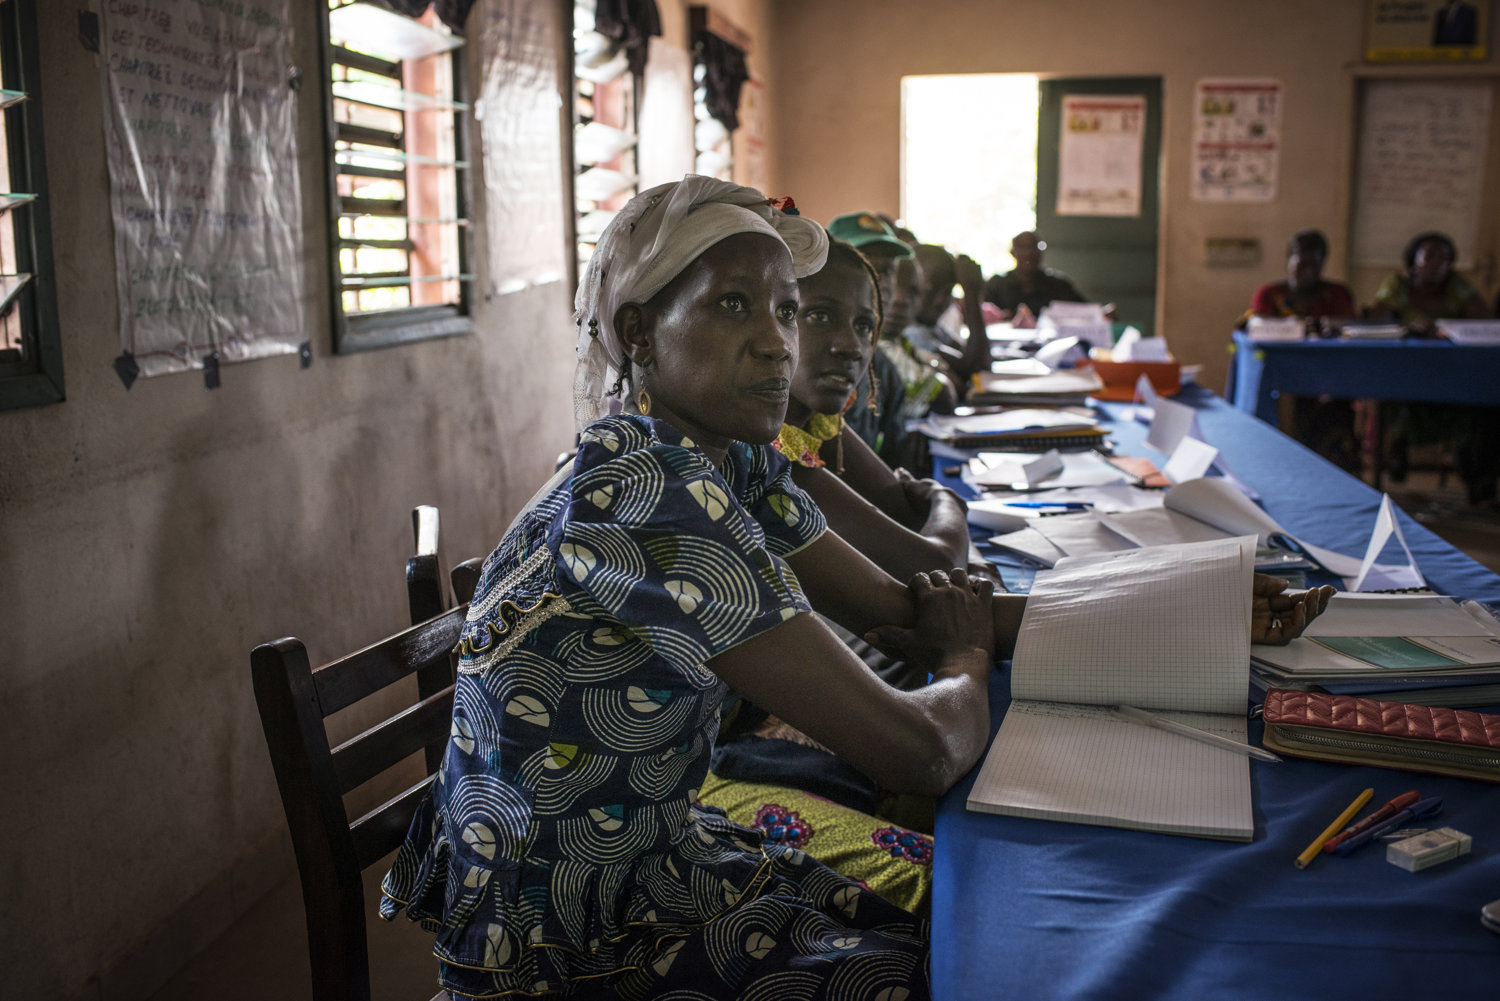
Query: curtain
<point x="630" y="25"/>
<point x="726" y="74"/>
<point x="453" y="13"/>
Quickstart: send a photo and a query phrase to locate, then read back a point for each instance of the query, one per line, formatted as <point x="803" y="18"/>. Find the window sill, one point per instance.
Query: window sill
<point x="401" y="326"/>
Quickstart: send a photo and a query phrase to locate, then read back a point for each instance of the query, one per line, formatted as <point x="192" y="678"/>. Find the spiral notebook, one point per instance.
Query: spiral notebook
<point x="1110" y="630"/>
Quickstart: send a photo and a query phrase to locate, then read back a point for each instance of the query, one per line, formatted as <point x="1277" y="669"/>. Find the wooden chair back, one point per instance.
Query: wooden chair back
<point x="332" y="850"/>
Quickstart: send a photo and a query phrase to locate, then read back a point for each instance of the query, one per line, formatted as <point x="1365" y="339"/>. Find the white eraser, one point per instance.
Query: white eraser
<point x="1424" y="850"/>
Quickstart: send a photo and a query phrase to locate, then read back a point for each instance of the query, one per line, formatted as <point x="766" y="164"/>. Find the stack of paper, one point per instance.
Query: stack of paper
<point x="1194" y="511"/>
<point x="1372" y="331"/>
<point x="1015" y="430"/>
<point x="1483" y="332"/>
<point x="1390" y="646"/>
<point x="1063" y="387"/>
<point x="1051" y="470"/>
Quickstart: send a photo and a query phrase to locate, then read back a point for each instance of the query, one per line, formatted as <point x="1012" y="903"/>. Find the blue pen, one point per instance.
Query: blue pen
<point x="1064" y="505"/>
<point x="1417" y="811"/>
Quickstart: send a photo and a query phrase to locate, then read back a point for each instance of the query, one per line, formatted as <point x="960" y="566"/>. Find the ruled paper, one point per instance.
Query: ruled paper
<point x="1167" y="629"/>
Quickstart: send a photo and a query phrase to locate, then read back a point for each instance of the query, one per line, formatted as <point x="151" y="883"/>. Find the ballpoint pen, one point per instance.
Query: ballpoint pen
<point x="1065" y="505"/>
<point x="1182" y="729"/>
<point x="1401" y="802"/>
<point x="1417" y="811"/>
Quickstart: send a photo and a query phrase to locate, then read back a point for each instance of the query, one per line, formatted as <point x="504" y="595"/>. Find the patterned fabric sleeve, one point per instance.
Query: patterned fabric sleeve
<point x="654" y="535"/>
<point x="784" y="511"/>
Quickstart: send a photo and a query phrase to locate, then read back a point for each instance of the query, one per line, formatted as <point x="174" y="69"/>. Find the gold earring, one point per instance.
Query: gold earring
<point x="643" y="402"/>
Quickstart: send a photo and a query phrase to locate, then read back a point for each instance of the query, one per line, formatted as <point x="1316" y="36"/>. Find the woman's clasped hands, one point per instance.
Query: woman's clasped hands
<point x="954" y="629"/>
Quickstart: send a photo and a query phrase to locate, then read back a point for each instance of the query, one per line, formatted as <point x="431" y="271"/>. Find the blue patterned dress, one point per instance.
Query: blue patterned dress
<point x="562" y="849"/>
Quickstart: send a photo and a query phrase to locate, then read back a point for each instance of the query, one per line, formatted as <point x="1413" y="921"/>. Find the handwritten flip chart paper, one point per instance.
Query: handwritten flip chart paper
<point x="200" y="131"/>
<point x="1099" y="159"/>
<point x="1421" y="165"/>
<point x="1236" y="140"/>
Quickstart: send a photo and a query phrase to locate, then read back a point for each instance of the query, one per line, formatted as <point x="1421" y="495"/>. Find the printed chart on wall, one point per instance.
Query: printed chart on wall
<point x="1236" y="140"/>
<point x="1421" y="165"/>
<point x="200" y="130"/>
<point x="1099" y="157"/>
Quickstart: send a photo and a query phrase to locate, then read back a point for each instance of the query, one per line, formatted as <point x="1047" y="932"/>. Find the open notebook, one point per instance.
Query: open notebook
<point x="1165" y="629"/>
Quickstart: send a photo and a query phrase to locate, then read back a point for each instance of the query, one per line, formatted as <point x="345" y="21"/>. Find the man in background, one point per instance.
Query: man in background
<point x="1029" y="285"/>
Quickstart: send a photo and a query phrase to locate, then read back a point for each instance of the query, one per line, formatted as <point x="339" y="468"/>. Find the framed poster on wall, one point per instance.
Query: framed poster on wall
<point x="1427" y="30"/>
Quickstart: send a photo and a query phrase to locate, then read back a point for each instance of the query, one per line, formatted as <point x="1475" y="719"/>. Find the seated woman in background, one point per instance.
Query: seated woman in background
<point x="926" y="384"/>
<point x="766" y="774"/>
<point x="1427" y="291"/>
<point x="904" y="524"/>
<point x="1321" y="423"/>
<point x="952" y="330"/>
<point x="1304" y="292"/>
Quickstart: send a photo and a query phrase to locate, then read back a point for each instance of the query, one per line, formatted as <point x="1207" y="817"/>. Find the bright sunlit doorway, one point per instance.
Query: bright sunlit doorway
<point x="968" y="162"/>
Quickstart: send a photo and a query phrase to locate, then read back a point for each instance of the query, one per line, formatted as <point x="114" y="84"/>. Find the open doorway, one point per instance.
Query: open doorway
<point x="969" y="188"/>
<point x="987" y="156"/>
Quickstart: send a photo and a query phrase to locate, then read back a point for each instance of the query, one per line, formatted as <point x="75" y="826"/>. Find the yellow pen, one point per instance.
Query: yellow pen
<point x="1338" y="825"/>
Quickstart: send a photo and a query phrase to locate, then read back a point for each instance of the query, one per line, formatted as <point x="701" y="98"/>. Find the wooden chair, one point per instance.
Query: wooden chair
<point x="424" y="587"/>
<point x="332" y="851"/>
<point x="424" y="580"/>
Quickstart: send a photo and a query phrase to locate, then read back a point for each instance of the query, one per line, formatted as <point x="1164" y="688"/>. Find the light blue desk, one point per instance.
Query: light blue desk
<point x="1409" y="371"/>
<point x="1036" y="909"/>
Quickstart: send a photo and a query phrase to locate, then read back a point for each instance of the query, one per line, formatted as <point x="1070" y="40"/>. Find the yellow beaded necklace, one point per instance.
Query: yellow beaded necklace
<point x="802" y="445"/>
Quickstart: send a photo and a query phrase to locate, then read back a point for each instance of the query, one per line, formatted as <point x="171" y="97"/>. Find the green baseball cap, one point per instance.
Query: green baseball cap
<point x="867" y="231"/>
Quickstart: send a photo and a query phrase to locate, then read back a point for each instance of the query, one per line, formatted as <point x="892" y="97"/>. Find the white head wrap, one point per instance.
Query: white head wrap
<point x="651" y="241"/>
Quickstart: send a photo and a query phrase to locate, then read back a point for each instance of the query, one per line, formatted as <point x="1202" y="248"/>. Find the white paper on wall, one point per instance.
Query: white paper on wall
<point x="1099" y="158"/>
<point x="520" y="128"/>
<point x="200" y="134"/>
<point x="1236" y="139"/>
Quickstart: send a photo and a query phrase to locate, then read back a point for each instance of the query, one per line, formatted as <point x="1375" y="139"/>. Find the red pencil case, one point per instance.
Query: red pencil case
<point x="1384" y="734"/>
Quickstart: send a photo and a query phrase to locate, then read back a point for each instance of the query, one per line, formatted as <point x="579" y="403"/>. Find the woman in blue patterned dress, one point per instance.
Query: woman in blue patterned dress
<point x="562" y="850"/>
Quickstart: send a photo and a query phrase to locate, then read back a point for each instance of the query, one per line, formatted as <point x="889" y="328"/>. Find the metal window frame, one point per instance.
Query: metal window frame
<point x="353" y="332"/>
<point x="38" y="378"/>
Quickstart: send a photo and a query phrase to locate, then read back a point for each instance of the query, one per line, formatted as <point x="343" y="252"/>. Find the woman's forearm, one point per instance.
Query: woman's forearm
<point x="947" y="525"/>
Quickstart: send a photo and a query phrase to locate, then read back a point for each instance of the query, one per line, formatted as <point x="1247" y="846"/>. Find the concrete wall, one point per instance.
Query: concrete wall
<point x="838" y="76"/>
<point x="150" y="538"/>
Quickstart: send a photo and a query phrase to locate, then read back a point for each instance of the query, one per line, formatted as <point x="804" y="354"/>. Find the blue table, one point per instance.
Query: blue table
<point x="1037" y="909"/>
<point x="1409" y="371"/>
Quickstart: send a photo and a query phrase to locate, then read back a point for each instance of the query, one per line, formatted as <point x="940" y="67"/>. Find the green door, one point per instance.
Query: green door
<point x="1110" y="257"/>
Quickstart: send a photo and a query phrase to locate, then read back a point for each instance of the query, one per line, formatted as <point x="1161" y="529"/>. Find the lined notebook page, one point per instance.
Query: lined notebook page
<point x="1160" y="628"/>
<point x="1166" y="628"/>
<point x="1057" y="761"/>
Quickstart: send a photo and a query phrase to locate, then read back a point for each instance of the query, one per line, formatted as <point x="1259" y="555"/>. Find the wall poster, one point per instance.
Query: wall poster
<point x="1099" y="159"/>
<point x="200" y="135"/>
<point x="1236" y="140"/>
<point x="1427" y="30"/>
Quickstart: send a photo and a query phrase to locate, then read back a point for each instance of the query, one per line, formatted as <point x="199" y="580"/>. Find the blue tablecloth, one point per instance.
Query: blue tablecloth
<point x="1038" y="909"/>
<point x="1413" y="371"/>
